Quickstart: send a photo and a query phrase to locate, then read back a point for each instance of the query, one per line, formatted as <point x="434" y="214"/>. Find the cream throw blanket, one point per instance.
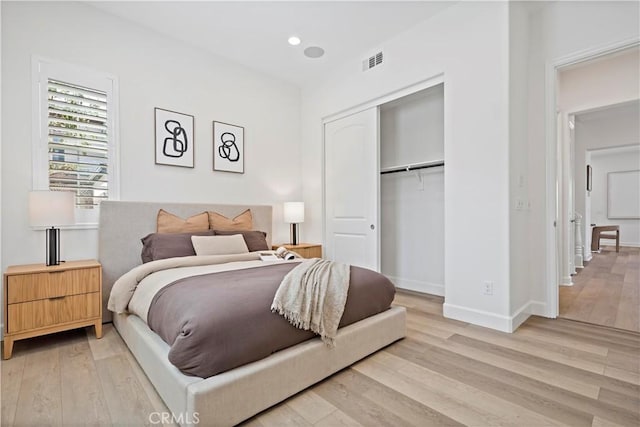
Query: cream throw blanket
<point x="312" y="297"/>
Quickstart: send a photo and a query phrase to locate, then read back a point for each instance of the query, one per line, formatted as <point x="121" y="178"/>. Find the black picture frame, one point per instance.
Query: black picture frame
<point x="589" y="178"/>
<point x="174" y="138"/>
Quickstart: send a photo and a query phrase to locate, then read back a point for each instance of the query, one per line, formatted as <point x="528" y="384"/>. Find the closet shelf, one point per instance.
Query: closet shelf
<point x="412" y="167"/>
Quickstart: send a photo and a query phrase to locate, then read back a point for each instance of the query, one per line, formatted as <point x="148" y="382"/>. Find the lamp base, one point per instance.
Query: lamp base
<point x="53" y="246"/>
<point x="294" y="234"/>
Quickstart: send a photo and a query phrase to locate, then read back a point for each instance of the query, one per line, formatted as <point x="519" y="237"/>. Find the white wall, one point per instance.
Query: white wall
<point x="412" y="203"/>
<point x="603" y="162"/>
<point x="612" y="79"/>
<point x="518" y="168"/>
<point x="153" y="71"/>
<point x="614" y="127"/>
<point x="595" y="139"/>
<point x="558" y="30"/>
<point x="1" y="129"/>
<point x="412" y="128"/>
<point x="468" y="43"/>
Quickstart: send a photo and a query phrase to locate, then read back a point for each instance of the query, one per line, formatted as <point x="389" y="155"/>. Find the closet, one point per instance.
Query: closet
<point x="384" y="189"/>
<point x="412" y="191"/>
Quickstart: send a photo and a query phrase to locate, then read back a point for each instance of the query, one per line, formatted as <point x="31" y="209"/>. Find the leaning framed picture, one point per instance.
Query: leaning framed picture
<point x="174" y="138"/>
<point x="228" y="147"/>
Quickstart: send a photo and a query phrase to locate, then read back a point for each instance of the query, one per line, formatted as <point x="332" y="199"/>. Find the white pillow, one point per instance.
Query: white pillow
<point x="219" y="245"/>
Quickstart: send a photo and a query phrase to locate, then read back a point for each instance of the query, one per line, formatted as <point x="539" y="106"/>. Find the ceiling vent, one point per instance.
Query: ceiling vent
<point x="372" y="61"/>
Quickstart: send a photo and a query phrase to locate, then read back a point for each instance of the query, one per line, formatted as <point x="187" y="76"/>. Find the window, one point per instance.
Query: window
<point x="78" y="142"/>
<point x="75" y="135"/>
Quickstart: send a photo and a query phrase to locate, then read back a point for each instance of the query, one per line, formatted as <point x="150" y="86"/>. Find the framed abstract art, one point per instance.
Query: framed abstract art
<point x="174" y="138"/>
<point x="228" y="147"/>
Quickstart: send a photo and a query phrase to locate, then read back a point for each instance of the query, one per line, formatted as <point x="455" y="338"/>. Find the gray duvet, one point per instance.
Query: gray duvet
<point x="217" y="322"/>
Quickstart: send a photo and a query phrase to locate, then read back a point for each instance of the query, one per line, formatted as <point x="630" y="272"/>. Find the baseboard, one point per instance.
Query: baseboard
<point x="630" y="245"/>
<point x="622" y="244"/>
<point x="493" y="320"/>
<point x="531" y="308"/>
<point x="538" y="308"/>
<point x="417" y="285"/>
<point x="477" y="317"/>
<point x="519" y="316"/>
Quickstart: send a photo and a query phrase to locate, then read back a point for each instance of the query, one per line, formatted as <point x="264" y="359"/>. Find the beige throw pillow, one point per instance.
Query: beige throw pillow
<point x="219" y="245"/>
<point x="244" y="221"/>
<point x="170" y="223"/>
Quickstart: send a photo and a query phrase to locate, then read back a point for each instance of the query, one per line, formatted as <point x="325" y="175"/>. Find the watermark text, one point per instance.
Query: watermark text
<point x="171" y="418"/>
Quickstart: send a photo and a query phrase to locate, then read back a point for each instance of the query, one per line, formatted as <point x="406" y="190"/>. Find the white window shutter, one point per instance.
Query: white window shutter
<point x="78" y="141"/>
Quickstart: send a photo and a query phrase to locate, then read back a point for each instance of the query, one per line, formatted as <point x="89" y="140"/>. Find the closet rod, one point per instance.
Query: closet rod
<point x="412" y="167"/>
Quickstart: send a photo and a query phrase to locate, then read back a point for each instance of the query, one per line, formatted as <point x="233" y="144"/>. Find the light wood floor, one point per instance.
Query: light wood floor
<point x="445" y="372"/>
<point x="607" y="291"/>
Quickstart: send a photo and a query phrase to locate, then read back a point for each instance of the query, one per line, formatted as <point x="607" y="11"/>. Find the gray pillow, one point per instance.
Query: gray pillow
<point x="255" y="240"/>
<point x="168" y="245"/>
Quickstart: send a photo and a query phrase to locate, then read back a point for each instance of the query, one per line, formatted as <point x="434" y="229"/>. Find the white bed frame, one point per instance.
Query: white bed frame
<point x="233" y="396"/>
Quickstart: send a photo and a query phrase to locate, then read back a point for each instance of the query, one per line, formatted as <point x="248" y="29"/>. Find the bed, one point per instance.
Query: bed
<point x="235" y="395"/>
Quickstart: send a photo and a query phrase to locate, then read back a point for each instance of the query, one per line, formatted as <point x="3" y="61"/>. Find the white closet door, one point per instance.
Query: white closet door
<point x="351" y="189"/>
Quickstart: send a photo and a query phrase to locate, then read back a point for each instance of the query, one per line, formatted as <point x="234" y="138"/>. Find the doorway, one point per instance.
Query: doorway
<point x="597" y="124"/>
<point x="606" y="290"/>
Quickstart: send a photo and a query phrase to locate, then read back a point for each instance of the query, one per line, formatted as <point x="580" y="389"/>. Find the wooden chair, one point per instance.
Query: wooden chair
<point x="598" y="234"/>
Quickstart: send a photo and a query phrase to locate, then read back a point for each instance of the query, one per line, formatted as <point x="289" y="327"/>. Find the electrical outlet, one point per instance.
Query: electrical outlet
<point x="488" y="288"/>
<point x="520" y="204"/>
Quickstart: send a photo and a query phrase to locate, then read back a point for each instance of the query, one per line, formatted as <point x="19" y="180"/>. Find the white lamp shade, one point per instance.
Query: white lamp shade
<point x="51" y="208"/>
<point x="294" y="212"/>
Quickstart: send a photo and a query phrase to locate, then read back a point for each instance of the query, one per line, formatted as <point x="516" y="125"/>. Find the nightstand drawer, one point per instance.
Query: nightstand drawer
<point x="52" y="311"/>
<point x="41" y="286"/>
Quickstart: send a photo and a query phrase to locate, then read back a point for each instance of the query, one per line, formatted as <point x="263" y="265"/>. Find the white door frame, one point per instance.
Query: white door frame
<point x="383" y="99"/>
<point x="587" y="214"/>
<point x="553" y="234"/>
<point x="566" y="190"/>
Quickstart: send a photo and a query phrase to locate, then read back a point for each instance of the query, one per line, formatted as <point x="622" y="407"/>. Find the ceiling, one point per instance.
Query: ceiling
<point x="255" y="33"/>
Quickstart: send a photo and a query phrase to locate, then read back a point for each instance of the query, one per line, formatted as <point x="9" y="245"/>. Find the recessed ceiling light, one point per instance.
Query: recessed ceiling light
<point x="294" y="41"/>
<point x="313" y="52"/>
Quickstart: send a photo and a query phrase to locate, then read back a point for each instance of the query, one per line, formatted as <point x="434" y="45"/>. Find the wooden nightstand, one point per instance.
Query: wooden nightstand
<point x="307" y="250"/>
<point x="40" y="300"/>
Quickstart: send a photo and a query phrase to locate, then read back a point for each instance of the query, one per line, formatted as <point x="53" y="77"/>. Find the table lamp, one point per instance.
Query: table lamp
<point x="51" y="209"/>
<point x="294" y="214"/>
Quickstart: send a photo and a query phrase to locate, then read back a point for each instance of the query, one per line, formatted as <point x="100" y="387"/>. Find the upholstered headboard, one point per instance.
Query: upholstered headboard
<point x="123" y="224"/>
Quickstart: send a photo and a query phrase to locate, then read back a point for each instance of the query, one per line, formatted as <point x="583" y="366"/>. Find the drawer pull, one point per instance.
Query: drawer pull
<point x="60" y="297"/>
